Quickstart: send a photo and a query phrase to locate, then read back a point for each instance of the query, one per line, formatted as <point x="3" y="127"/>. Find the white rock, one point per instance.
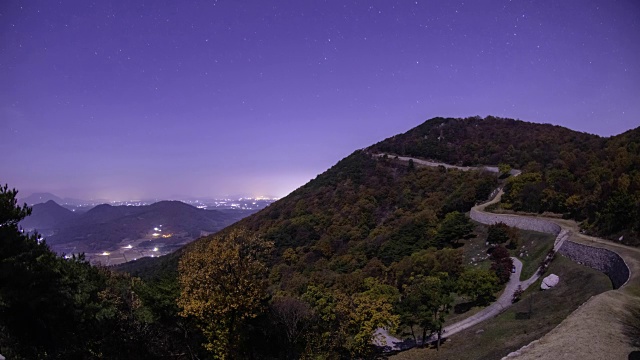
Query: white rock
<point x="549" y="282"/>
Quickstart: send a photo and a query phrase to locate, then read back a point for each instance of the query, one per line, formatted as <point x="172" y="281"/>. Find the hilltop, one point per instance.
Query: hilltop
<point x="591" y="179"/>
<point x="47" y="216"/>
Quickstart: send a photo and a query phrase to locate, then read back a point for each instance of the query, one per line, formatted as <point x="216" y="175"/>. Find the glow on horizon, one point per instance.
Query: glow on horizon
<point x="271" y="187"/>
<point x="283" y="94"/>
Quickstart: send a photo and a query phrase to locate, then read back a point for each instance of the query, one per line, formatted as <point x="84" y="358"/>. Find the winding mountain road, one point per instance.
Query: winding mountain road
<point x="382" y="336"/>
<point x="564" y="229"/>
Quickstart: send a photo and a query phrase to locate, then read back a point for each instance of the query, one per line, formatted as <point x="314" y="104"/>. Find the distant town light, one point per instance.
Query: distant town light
<point x="105" y="254"/>
<point x="128" y="246"/>
<point x="155" y="249"/>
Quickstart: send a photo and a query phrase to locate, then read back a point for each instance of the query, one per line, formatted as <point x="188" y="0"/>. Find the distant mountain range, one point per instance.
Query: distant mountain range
<point x="235" y="202"/>
<point x="104" y="227"/>
<point x="43" y="197"/>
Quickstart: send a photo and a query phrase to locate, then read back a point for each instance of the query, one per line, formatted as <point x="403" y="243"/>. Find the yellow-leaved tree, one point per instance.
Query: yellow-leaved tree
<point x="222" y="284"/>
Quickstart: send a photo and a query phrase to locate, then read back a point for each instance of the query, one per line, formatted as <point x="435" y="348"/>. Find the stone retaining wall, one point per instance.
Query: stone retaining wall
<point x="520" y="222"/>
<point x="600" y="259"/>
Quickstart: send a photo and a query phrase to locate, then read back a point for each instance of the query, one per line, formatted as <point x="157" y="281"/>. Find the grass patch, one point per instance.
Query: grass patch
<point x="534" y="247"/>
<point x="513" y="329"/>
<point x="475" y="249"/>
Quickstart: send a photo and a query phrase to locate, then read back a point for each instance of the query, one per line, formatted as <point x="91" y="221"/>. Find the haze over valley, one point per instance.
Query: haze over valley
<point x="111" y="234"/>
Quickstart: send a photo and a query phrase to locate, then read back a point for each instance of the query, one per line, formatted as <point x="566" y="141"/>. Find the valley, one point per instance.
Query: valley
<point x="114" y="234"/>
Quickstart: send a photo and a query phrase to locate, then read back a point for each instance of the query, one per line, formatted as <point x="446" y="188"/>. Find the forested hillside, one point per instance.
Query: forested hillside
<point x="585" y="177"/>
<point x="315" y="273"/>
<point x="366" y="207"/>
<point x="372" y="242"/>
<point x="342" y="250"/>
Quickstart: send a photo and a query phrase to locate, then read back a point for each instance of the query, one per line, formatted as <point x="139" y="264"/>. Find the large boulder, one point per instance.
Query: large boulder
<point x="549" y="282"/>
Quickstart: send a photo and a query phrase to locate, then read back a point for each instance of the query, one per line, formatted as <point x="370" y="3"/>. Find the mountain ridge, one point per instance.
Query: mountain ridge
<point x="408" y="144"/>
<point x="103" y="226"/>
<point x="582" y="176"/>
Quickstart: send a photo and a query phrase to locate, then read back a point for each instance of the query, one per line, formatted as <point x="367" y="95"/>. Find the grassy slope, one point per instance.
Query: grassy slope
<point x="594" y="331"/>
<point x="509" y="331"/>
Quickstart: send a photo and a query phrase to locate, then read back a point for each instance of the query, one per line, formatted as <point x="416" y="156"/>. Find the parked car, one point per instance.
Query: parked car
<point x="513" y="269"/>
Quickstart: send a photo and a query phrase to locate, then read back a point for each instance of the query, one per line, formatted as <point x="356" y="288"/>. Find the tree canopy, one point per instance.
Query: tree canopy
<point x="223" y="284"/>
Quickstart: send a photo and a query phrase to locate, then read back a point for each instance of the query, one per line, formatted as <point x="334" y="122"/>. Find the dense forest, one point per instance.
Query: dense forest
<point x="585" y="177"/>
<point x="372" y="242"/>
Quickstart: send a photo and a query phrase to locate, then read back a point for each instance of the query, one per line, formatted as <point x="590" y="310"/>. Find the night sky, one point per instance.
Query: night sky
<point x="157" y="99"/>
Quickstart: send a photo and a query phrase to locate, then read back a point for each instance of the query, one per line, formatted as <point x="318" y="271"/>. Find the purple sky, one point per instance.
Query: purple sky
<point x="202" y="98"/>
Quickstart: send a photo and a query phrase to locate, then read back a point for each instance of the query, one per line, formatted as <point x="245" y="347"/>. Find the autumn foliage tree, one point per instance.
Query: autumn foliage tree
<point x="223" y="284"/>
<point x="501" y="264"/>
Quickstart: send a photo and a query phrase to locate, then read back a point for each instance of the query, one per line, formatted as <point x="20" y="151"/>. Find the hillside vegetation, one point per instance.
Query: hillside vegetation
<point x="364" y="208"/>
<point x="582" y="176"/>
<point x="372" y="242"/>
